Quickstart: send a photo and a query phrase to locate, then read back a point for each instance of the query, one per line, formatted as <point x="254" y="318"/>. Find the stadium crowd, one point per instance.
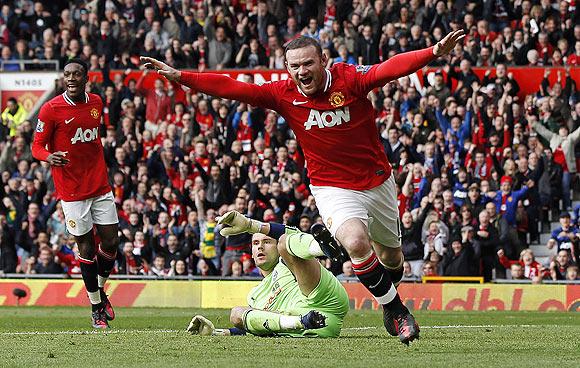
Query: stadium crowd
<point x="477" y="164"/>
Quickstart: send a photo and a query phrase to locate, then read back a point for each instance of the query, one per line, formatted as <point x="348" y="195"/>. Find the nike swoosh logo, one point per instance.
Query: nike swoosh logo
<point x="377" y="284"/>
<point x="69" y="120"/>
<point x="295" y="103"/>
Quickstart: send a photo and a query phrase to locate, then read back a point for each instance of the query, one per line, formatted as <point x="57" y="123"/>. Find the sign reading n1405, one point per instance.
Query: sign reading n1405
<point x="28" y="82"/>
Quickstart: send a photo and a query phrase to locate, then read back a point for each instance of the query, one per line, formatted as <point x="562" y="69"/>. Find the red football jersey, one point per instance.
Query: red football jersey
<point x="336" y="127"/>
<point x="64" y="125"/>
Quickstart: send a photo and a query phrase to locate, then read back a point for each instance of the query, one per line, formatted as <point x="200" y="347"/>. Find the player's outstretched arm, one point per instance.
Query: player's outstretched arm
<point x="259" y="323"/>
<point x="406" y="63"/>
<point x="163" y="69"/>
<point x="234" y="223"/>
<point x="319" y="243"/>
<point x="214" y="84"/>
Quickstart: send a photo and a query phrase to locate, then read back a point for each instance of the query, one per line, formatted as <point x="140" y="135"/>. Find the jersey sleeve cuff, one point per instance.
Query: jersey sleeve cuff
<point x="42" y="155"/>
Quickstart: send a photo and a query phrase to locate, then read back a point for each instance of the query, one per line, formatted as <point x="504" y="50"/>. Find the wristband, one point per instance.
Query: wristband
<point x="276" y="230"/>
<point x="234" y="331"/>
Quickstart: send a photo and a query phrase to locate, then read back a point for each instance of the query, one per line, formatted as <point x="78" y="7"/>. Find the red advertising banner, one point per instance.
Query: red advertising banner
<point x="572" y="298"/>
<point x="414" y="296"/>
<point x="227" y="294"/>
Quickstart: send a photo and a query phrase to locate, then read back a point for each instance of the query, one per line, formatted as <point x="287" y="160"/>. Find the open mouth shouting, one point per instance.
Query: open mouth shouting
<point x="306" y="82"/>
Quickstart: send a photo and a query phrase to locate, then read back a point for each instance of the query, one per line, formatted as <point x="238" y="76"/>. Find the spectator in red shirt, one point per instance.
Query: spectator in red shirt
<point x="67" y="255"/>
<point x="429" y="269"/>
<point x="157" y="102"/>
<point x="574" y="59"/>
<point x="560" y="264"/>
<point x="301" y="191"/>
<point x="204" y="118"/>
<point x="531" y="269"/>
<point x="481" y="166"/>
<point x="544" y="48"/>
<point x="484" y="35"/>
<point x="130" y="263"/>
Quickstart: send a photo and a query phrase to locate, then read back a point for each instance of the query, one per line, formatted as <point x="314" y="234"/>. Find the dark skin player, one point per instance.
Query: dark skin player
<point x="75" y="79"/>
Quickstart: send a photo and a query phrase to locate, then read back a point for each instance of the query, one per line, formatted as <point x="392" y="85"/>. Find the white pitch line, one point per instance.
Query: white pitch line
<point x="442" y="327"/>
<point x="93" y="332"/>
<point x="125" y="331"/>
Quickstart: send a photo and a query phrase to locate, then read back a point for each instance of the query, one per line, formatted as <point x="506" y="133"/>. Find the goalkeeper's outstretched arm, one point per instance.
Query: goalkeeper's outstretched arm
<point x="200" y="325"/>
<point x="259" y="323"/>
<point x="305" y="246"/>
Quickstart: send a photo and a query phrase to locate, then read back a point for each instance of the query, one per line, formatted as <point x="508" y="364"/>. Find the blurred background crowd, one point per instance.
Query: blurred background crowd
<point x="479" y="166"/>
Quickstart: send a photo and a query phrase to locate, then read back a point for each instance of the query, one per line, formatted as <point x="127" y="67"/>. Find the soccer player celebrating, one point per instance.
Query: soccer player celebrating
<point x="297" y="297"/>
<point x="350" y="175"/>
<point x="67" y="137"/>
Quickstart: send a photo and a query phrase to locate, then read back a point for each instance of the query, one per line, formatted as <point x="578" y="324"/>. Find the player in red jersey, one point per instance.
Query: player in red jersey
<point x="351" y="178"/>
<point x="67" y="137"/>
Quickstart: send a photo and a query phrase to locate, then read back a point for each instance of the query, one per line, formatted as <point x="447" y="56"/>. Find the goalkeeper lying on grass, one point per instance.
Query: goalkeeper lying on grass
<point x="297" y="297"/>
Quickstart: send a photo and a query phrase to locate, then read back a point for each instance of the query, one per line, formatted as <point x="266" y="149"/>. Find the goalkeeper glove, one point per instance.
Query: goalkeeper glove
<point x="238" y="224"/>
<point x="202" y="326"/>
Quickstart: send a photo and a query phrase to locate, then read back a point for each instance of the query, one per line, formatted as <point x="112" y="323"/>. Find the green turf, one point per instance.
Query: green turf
<point x="147" y="337"/>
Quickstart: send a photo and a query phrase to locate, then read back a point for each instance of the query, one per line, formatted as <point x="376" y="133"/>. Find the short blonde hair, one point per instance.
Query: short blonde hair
<point x="526" y="251"/>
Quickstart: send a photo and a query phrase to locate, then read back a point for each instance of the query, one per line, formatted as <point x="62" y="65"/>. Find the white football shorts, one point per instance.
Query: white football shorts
<point x="376" y="208"/>
<point x="81" y="215"/>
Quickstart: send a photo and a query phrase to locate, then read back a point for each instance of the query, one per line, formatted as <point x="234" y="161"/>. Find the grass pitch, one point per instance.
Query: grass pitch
<point x="147" y="337"/>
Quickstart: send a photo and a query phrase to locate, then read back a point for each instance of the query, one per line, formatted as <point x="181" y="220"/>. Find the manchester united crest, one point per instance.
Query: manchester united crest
<point x="95" y="113"/>
<point x="336" y="99"/>
<point x="72" y="224"/>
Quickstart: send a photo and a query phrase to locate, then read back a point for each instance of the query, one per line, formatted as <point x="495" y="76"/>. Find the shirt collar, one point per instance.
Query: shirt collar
<point x="327" y="84"/>
<point x="71" y="102"/>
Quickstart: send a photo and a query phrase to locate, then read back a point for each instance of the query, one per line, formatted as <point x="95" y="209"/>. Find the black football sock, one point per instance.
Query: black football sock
<point x="89" y="272"/>
<point x="396" y="273"/>
<point x="105" y="264"/>
<point x="377" y="280"/>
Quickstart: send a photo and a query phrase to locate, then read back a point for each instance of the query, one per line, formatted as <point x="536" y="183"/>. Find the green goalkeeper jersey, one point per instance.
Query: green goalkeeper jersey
<point x="279" y="292"/>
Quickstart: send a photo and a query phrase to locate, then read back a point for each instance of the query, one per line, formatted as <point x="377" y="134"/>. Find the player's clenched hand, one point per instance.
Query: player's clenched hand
<point x="448" y="43"/>
<point x="163" y="69"/>
<point x="237" y="224"/>
<point x="57" y="158"/>
<point x="200" y="325"/>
